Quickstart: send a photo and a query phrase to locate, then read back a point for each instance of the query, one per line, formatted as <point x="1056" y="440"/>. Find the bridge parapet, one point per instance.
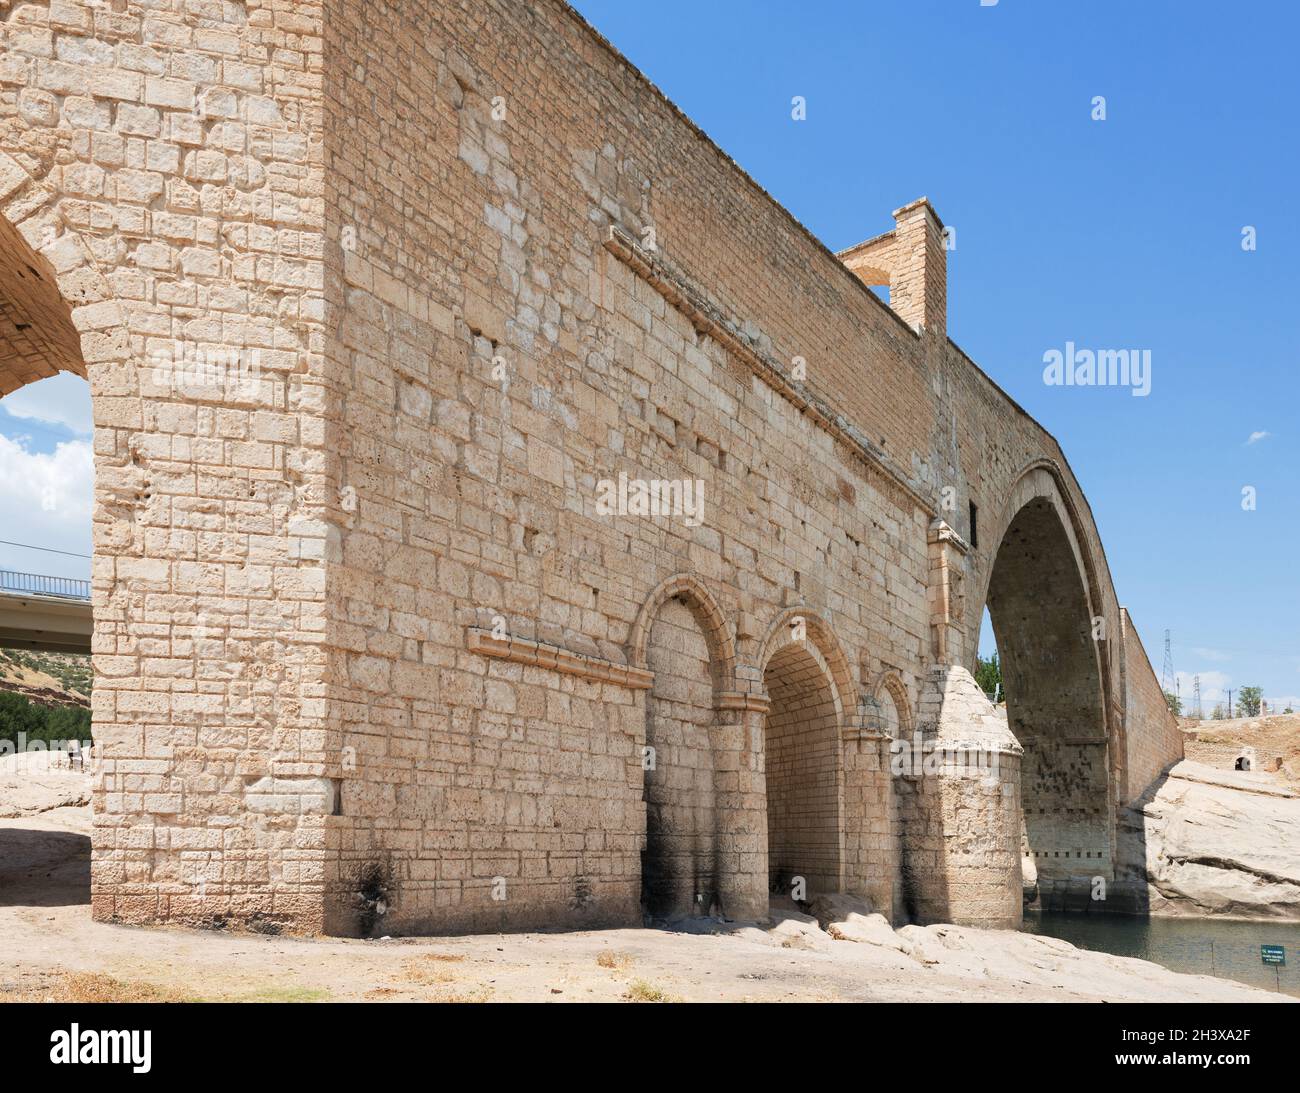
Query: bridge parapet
<point x="37" y="584"/>
<point x="47" y="613"/>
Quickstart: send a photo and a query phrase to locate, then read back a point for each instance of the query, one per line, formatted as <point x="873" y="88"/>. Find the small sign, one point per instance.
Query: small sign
<point x="1272" y="954"/>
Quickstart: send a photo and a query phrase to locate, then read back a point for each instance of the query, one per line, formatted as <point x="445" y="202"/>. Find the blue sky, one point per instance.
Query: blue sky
<point x="1119" y="233"/>
<point x="46" y="477"/>
<point x="1112" y="234"/>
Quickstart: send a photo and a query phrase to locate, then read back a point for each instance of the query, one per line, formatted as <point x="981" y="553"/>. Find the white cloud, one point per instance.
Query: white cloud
<point x="1258" y="435"/>
<point x="59" y="400"/>
<point x="1210" y="654"/>
<point x="46" y="500"/>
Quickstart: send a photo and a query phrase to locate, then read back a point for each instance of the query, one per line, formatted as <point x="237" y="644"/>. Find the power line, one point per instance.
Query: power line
<point x="48" y="550"/>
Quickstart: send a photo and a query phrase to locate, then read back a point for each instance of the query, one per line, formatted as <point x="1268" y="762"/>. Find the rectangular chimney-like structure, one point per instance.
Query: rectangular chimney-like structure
<point x="913" y="262"/>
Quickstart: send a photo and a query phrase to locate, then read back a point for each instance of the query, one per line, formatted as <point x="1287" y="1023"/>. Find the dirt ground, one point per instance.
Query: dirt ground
<point x="50" y="949"/>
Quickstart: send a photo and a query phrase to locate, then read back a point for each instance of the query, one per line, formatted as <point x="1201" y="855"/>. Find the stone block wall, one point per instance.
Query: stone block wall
<point x="500" y="355"/>
<point x="1155" y="742"/>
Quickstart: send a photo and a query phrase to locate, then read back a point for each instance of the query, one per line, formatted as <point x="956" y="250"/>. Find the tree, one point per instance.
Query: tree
<point x="988" y="673"/>
<point x="1218" y="713"/>
<point x="1248" y="700"/>
<point x="1174" y="703"/>
<point x="35" y="721"/>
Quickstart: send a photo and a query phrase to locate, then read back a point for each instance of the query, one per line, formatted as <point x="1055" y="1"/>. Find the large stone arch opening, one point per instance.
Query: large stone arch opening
<point x="48" y="455"/>
<point x="1046" y="635"/>
<point x="43" y="363"/>
<point x="803" y="772"/>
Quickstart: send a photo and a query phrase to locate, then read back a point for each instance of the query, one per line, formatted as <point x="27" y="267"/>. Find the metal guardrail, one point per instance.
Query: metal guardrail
<point x="34" y="584"/>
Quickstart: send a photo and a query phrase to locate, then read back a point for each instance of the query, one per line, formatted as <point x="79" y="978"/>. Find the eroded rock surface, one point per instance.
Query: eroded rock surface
<point x="1218" y="842"/>
<point x="36" y="782"/>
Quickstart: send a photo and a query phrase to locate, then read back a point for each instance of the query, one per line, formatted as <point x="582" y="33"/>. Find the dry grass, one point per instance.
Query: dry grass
<point x="283" y="994"/>
<point x="90" y="987"/>
<point x="441" y="983"/>
<point x="615" y="961"/>
<point x="641" y="991"/>
<point x="425" y="970"/>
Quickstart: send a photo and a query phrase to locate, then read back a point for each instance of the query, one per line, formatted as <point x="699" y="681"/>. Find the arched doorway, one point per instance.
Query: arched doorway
<point x="681" y="637"/>
<point x="679" y="863"/>
<point x="1046" y="637"/>
<point x="802" y="766"/>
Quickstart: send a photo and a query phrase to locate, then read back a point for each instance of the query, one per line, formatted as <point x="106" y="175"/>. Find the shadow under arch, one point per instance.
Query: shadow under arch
<point x="1044" y="599"/>
<point x="801" y="624"/>
<point x="37" y="336"/>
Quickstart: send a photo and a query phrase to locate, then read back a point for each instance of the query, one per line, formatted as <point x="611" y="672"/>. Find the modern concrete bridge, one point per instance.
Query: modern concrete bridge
<point x="52" y="614"/>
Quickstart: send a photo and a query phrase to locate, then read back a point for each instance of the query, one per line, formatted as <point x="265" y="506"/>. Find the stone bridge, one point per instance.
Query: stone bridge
<point x="508" y="515"/>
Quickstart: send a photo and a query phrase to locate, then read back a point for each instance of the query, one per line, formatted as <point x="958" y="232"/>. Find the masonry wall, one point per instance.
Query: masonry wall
<point x="680" y="863"/>
<point x="498" y="354"/>
<point x="803" y="756"/>
<point x="495" y="363"/>
<point x="1155" y="741"/>
<point x="162" y="162"/>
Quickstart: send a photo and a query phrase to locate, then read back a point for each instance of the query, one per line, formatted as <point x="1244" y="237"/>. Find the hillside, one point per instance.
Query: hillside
<point x="50" y="679"/>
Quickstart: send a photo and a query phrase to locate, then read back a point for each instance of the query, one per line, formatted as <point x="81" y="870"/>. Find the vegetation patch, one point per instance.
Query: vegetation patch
<point x="641" y="991"/>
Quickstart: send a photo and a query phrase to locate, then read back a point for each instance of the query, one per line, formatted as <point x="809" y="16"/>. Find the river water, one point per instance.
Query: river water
<point x="1219" y="947"/>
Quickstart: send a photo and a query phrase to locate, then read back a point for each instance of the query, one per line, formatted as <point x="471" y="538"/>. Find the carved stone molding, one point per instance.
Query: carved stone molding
<point x="744" y="700"/>
<point x="541" y="655"/>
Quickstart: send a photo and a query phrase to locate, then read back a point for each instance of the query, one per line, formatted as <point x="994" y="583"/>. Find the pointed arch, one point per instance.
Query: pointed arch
<point x="1043" y="480"/>
<point x="810" y="690"/>
<point x="54" y="294"/>
<point x="1041" y="585"/>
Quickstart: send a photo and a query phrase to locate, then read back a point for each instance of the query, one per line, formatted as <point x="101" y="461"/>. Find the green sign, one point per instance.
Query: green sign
<point x="1272" y="954"/>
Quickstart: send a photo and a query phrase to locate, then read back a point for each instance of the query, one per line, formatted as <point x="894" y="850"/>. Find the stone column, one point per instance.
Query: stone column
<point x="741" y="797"/>
<point x="869" y="865"/>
